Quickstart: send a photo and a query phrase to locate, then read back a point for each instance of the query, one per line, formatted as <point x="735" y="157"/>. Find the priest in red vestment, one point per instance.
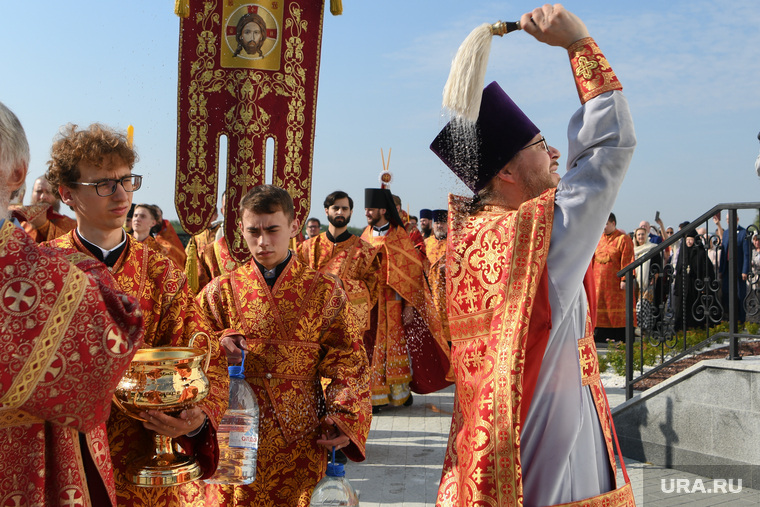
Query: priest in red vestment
<point x="531" y="426"/>
<point x="338" y="252"/>
<point x="92" y="171"/>
<point x="295" y="324"/>
<point x="410" y="352"/>
<point x="613" y="253"/>
<point x="68" y="336"/>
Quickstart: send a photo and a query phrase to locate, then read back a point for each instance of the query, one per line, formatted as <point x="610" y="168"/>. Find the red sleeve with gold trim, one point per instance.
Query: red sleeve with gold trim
<point x="591" y="70"/>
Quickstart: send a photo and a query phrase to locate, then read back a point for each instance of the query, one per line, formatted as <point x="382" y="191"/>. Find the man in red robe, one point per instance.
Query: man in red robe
<point x="92" y="172"/>
<point x="531" y="426"/>
<point x="405" y="325"/>
<point x="68" y="337"/>
<point x="613" y="253"/>
<point x="295" y="325"/>
<point x="338" y="252"/>
<point x="42" y="218"/>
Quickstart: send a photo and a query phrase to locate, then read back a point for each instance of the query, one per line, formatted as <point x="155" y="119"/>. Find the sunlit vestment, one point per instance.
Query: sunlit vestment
<point x="297" y="332"/>
<point x="613" y="252"/>
<point x="215" y="260"/>
<point x="531" y="425"/>
<point x="171" y="317"/>
<point x="410" y="357"/>
<point x="193" y="250"/>
<point x="354" y="261"/>
<point x="55" y="226"/>
<point x="67" y="339"/>
<point x="167" y="237"/>
<point x="435" y="250"/>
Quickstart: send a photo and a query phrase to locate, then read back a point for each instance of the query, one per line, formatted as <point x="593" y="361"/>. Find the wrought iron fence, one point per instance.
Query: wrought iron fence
<point x="692" y="281"/>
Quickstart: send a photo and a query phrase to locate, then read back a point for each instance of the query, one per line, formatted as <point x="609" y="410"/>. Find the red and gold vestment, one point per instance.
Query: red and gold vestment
<point x="193" y="250"/>
<point x="56" y="224"/>
<point x="404" y="275"/>
<point x="215" y="260"/>
<point x="613" y="253"/>
<point x="500" y="319"/>
<point x="436" y="253"/>
<point x="171" y="318"/>
<point x="354" y="261"/>
<point x="297" y="332"/>
<point x="68" y="337"/>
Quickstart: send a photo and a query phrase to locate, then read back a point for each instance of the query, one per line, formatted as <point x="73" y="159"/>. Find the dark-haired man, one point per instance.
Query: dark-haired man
<point x="405" y="321"/>
<point x="338" y="252"/>
<point x="531" y="424"/>
<point x="295" y="325"/>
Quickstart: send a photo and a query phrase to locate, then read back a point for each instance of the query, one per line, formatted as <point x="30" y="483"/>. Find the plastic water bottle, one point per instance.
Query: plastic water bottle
<point x="238" y="433"/>
<point x="334" y="488"/>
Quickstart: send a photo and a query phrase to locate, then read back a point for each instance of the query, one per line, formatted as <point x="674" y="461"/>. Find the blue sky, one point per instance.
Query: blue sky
<point x="690" y="70"/>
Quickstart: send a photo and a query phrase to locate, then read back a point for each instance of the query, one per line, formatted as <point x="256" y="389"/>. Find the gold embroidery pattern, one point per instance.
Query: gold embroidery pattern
<point x="592" y="72"/>
<point x="48" y="341"/>
<point x="496" y="254"/>
<point x="246" y="119"/>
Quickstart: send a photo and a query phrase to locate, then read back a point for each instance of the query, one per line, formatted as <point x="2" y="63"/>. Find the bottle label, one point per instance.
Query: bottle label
<point x="248" y="439"/>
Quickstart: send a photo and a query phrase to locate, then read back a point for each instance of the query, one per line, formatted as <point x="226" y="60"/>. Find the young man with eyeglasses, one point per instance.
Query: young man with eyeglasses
<point x="91" y="170"/>
<point x="531" y="425"/>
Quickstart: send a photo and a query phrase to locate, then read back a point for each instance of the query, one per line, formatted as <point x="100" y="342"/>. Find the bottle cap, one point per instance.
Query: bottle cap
<point x="335" y="470"/>
<point x="238" y="370"/>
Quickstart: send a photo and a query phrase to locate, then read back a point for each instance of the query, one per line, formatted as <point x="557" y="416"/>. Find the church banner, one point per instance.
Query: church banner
<point x="247" y="71"/>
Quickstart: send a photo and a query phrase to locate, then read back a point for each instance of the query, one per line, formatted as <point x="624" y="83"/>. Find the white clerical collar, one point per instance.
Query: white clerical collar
<point x="105" y="252"/>
<point x="382" y="230"/>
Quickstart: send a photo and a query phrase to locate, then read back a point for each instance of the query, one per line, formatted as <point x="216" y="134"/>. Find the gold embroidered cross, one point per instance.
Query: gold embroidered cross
<point x="585" y="66"/>
<point x="196" y="188"/>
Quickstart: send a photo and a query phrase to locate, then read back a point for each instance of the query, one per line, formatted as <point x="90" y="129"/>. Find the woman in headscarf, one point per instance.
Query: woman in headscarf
<point x="693" y="277"/>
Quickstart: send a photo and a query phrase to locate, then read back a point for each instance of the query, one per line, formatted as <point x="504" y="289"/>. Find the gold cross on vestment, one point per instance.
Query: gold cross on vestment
<point x="585" y="66"/>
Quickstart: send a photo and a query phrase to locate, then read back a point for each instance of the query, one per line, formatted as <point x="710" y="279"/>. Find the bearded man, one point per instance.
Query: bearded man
<point x="531" y="425"/>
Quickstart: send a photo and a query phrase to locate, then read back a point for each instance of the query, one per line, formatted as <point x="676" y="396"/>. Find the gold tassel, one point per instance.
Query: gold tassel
<point x="336" y="7"/>
<point x="131" y="136"/>
<point x="191" y="265"/>
<point x="182" y="8"/>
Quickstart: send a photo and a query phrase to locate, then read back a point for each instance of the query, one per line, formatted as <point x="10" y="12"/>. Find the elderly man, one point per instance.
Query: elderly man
<point x="67" y="338"/>
<point x="531" y="425"/>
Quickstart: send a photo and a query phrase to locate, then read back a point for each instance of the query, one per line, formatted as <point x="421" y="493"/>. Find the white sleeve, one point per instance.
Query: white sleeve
<point x="601" y="143"/>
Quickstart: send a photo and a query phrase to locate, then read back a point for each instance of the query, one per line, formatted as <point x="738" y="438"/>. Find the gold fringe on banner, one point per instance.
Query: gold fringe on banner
<point x="336" y="7"/>
<point x="182" y="8"/>
<point x="191" y="265"/>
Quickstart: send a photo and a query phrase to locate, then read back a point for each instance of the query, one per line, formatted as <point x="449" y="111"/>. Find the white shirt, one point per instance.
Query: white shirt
<point x="563" y="452"/>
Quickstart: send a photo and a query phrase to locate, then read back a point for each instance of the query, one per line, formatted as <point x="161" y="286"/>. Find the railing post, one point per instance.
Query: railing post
<point x="733" y="309"/>
<point x="630" y="335"/>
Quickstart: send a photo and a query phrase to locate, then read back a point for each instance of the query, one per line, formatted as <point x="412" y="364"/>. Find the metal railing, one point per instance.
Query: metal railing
<point x="694" y="290"/>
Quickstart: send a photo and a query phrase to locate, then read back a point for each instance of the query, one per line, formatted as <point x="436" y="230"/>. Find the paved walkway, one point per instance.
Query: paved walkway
<point x="406" y="447"/>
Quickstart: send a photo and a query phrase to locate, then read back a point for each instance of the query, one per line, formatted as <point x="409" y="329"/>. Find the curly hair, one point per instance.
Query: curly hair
<point x="98" y="145"/>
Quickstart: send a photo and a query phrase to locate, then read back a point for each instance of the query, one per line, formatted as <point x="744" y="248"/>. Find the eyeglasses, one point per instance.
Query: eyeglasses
<point x="542" y="140"/>
<point x="107" y="187"/>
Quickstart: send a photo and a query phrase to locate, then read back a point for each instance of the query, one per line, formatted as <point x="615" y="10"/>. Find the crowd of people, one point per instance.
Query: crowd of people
<point x="501" y="293"/>
<point x="681" y="285"/>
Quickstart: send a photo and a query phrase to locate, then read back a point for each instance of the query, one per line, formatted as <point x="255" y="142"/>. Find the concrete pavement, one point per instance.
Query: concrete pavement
<point x="406" y="447"/>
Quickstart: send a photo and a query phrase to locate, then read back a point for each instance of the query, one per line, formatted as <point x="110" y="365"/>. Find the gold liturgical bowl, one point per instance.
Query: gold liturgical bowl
<point x="168" y="379"/>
